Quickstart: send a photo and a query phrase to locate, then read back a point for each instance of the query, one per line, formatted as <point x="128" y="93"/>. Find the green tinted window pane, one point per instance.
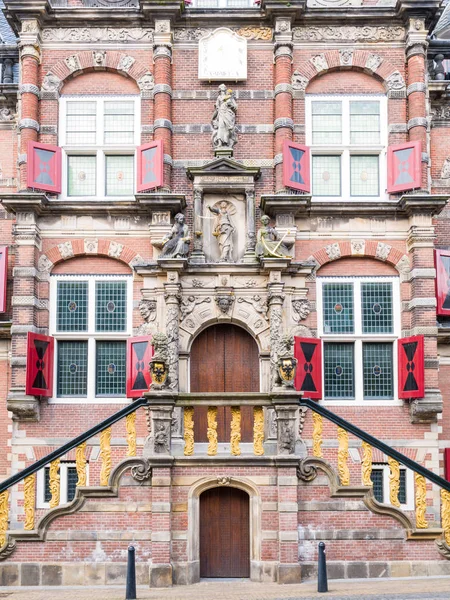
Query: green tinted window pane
<point x="377" y="308"/>
<point x="72" y="479"/>
<point x="111" y="305"/>
<point x="339" y="371"/>
<point x="327" y="122"/>
<point x="72" y="305"/>
<point x="119" y="175"/>
<point x="364" y="176"/>
<point x="47" y="492"/>
<point x="119" y="122"/>
<point x="326" y="175"/>
<point x="72" y="369"/>
<point x="364" y="122"/>
<point x="81" y="123"/>
<point x="378" y="371"/>
<point x="338" y="308"/>
<point x="110" y="368"/>
<point x="402" y="490"/>
<point x="82" y="175"/>
<point x="377" y="479"/>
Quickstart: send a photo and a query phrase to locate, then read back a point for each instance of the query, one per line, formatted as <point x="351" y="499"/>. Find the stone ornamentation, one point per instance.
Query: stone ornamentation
<point x="223" y="480"/>
<point x="256" y="33"/>
<point x="105" y="455"/>
<point x="147" y="82"/>
<point x="224" y="119"/>
<point x="73" y="63"/>
<point x="54" y="484"/>
<point x="189" y="303"/>
<point x="403" y="265"/>
<point x="333" y="251"/>
<point x="395" y="81"/>
<point x="366" y="464"/>
<point x="445" y="515"/>
<point x="394" y="481"/>
<point x="441" y="113"/>
<point x="115" y="249"/>
<point x="212" y="430"/>
<point x="80" y="462"/>
<point x="373" y="62"/>
<point x="258" y="431"/>
<point x="130" y="424"/>
<point x="158" y="363"/>
<point x="6" y="114"/>
<point x="172" y="297"/>
<point x="141" y="472"/>
<point x="269" y="244"/>
<point x="359" y="33"/>
<point x="317" y="435"/>
<point x="3" y="517"/>
<point x="99" y="58"/>
<point x="147" y="308"/>
<point x="301" y="309"/>
<point x="198" y="283"/>
<point x="97" y="34"/>
<point x="176" y="244"/>
<point x="259" y="303"/>
<point x="44" y="264"/>
<point x="235" y="438"/>
<point x="421" y="501"/>
<point x="332" y="3"/>
<point x="286" y="438"/>
<point x="225" y="302"/>
<point x="346" y="58"/>
<point x="161" y="440"/>
<point x="125" y="63"/>
<point x="445" y="171"/>
<point x="29" y="491"/>
<point x="51" y="83"/>
<point x="383" y="251"/>
<point x="298" y="81"/>
<point x="343" y="454"/>
<point x="188" y="430"/>
<point x="358" y="247"/>
<point x="65" y="250"/>
<point x="223" y="230"/>
<point x="91" y="245"/>
<point x="320" y="62"/>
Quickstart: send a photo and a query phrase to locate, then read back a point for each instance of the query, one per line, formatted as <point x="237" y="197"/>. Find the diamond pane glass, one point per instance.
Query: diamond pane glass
<point x="339" y="371"/>
<point x="338" y="308"/>
<point x="378" y="371"/>
<point x="72" y="305"/>
<point x="377" y="479"/>
<point x="119" y="175"/>
<point x="327" y="122"/>
<point x="377" y="308"/>
<point x="82" y="175"/>
<point x="111" y="368"/>
<point x="364" y="122"/>
<point x="119" y="122"/>
<point x="326" y="175"/>
<point x="72" y="369"/>
<point x="111" y="306"/>
<point x="402" y="491"/>
<point x="72" y="479"/>
<point x="81" y="123"/>
<point x="47" y="492"/>
<point x="364" y="176"/>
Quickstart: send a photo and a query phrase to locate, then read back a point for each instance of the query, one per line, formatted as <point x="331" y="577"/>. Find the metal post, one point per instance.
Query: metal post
<point x="322" y="582"/>
<point x="131" y="575"/>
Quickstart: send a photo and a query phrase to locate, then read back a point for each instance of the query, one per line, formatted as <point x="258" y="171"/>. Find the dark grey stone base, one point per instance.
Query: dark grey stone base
<point x="161" y="576"/>
<point x="364" y="569"/>
<point x="289" y="573"/>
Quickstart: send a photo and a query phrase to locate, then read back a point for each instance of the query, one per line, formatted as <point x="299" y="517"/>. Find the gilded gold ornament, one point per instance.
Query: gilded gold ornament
<point x="105" y="455"/>
<point x="256" y="33"/>
<point x="421" y="501"/>
<point x="158" y="372"/>
<point x="258" y="431"/>
<point x="317" y="435"/>
<point x="445" y="515"/>
<point x="343" y="454"/>
<point x="131" y="434"/>
<point x="235" y="437"/>
<point x="394" y="481"/>
<point x="366" y="464"/>
<point x="29" y="490"/>
<point x="54" y="483"/>
<point x="3" y="517"/>
<point x="212" y="430"/>
<point x="80" y="463"/>
<point x="188" y="431"/>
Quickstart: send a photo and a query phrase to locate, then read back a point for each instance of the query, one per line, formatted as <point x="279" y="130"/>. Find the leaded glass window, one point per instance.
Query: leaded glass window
<point x="377" y="480"/>
<point x="68" y="478"/>
<point x="327" y="122"/>
<point x="378" y="371"/>
<point x="380" y="479"/>
<point x="338" y="308"/>
<point x="47" y="492"/>
<point x="377" y="308"/>
<point x="111" y="368"/>
<point x="119" y="122"/>
<point x="339" y="371"/>
<point x="119" y="175"/>
<point x="72" y="304"/>
<point x="72" y="479"/>
<point x="364" y="122"/>
<point x="81" y="123"/>
<point x="326" y="175"/>
<point x="111" y="306"/>
<point x="72" y="369"/>
<point x="364" y="175"/>
<point x="82" y="175"/>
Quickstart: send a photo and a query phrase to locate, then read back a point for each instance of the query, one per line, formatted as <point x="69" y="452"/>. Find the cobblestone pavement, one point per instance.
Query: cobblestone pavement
<point x="431" y="588"/>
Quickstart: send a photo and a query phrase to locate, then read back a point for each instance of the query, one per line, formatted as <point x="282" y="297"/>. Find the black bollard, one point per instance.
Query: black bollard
<point x="322" y="582"/>
<point x="131" y="575"/>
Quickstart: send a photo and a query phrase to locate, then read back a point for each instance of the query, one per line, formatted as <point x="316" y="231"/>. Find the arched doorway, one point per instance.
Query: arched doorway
<point x="224" y="358"/>
<point x="224" y="533"/>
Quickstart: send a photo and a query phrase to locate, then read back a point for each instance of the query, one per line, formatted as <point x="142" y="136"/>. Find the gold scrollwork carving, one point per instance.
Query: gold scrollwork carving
<point x="105" y="455"/>
<point x="258" y="430"/>
<point x="366" y="464"/>
<point x="131" y="433"/>
<point x="3" y="517"/>
<point x="54" y="483"/>
<point x="235" y="437"/>
<point x="421" y="501"/>
<point x="80" y="463"/>
<point x="445" y="515"/>
<point x="343" y="454"/>
<point x="188" y="430"/>
<point x="212" y="430"/>
<point x="29" y="490"/>
<point x="317" y="435"/>
<point x="394" y="481"/>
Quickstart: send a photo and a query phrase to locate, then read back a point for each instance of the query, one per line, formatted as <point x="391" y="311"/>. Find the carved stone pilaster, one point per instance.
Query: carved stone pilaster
<point x="172" y="294"/>
<point x="250" y="254"/>
<point x="30" y="40"/>
<point x="286" y="418"/>
<point x="276" y="300"/>
<point x="159" y="441"/>
<point x="162" y="40"/>
<point x="416" y="38"/>
<point x="198" y="255"/>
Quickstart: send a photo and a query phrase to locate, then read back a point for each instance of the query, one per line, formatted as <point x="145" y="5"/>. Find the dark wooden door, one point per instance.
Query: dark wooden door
<point x="224" y="358"/>
<point x="224" y="533"/>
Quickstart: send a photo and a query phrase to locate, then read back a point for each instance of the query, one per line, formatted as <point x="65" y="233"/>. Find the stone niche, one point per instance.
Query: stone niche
<point x="236" y="209"/>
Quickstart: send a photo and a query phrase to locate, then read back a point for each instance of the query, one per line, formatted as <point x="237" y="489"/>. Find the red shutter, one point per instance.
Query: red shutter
<point x="308" y="379"/>
<point x="404" y="167"/>
<point x="296" y="166"/>
<point x="447" y="463"/>
<point x="150" y="166"/>
<point x="44" y="167"/>
<point x="40" y="351"/>
<point x="442" y="264"/>
<point x="3" y="277"/>
<point x="139" y="353"/>
<point x="411" y="367"/>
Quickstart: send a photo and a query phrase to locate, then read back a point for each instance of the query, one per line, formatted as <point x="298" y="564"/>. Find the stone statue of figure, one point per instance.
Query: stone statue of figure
<point x="223" y="231"/>
<point x="269" y="244"/>
<point x="224" y="119"/>
<point x="176" y="244"/>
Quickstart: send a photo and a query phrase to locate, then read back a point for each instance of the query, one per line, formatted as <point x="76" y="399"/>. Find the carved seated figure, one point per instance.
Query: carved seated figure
<point x="176" y="244"/>
<point x="269" y="244"/>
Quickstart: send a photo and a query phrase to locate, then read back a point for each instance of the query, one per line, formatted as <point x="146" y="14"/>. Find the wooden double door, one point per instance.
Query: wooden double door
<point x="224" y="358"/>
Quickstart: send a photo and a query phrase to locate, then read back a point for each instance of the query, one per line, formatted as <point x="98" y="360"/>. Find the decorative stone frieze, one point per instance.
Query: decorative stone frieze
<point x="358" y="33"/>
<point x="97" y="34"/>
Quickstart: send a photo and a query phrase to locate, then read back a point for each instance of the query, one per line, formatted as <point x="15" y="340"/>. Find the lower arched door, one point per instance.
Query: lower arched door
<point x="224" y="533"/>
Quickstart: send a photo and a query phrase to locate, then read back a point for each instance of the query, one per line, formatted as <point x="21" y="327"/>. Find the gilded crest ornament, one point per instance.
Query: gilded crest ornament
<point x="158" y="365"/>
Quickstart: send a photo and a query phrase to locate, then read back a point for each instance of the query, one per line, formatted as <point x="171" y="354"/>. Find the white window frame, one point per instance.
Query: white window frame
<point x="358" y="338"/>
<point x="345" y="149"/>
<point x="91" y="336"/>
<point x="409" y="485"/>
<point x="217" y="4"/>
<point x="63" y="473"/>
<point x="99" y="149"/>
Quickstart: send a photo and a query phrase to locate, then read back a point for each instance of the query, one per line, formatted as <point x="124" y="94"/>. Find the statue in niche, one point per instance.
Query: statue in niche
<point x="224" y="119"/>
<point x="224" y="230"/>
<point x="269" y="244"/>
<point x="176" y="244"/>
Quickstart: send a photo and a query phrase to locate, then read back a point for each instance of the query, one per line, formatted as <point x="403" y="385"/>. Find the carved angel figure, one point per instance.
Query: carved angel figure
<point x="269" y="243"/>
<point x="176" y="244"/>
<point x="224" y="119"/>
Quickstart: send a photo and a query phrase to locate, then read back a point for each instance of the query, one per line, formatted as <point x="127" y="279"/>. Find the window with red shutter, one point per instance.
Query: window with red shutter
<point x="442" y="264"/>
<point x="411" y="367"/>
<point x="139" y="353"/>
<point x="296" y="171"/>
<point x="40" y="353"/>
<point x="404" y="167"/>
<point x="308" y="379"/>
<point x="44" y="167"/>
<point x="150" y="166"/>
<point x="3" y="277"/>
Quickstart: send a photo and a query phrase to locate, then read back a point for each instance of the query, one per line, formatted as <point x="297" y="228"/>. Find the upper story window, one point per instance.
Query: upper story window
<point x="223" y="4"/>
<point x="98" y="136"/>
<point x="359" y="321"/>
<point x="348" y="139"/>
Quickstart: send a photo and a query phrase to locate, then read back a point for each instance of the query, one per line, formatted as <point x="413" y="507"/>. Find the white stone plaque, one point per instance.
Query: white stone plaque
<point x="222" y="56"/>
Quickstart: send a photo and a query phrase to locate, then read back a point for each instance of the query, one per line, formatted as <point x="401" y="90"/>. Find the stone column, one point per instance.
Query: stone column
<point x="250" y="254"/>
<point x="198" y="255"/>
<point x="283" y="124"/>
<point x="416" y="47"/>
<point x="162" y="93"/>
<point x="276" y="300"/>
<point x="172" y="294"/>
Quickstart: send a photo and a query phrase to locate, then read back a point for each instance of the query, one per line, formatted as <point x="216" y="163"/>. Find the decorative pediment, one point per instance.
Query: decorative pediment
<point x="224" y="170"/>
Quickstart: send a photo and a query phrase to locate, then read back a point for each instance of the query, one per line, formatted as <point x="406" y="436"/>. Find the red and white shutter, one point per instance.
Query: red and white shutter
<point x="150" y="161"/>
<point x="139" y="353"/>
<point x="44" y="167"/>
<point x="40" y="355"/>
<point x="3" y="277"/>
<point x="296" y="160"/>
<point x="442" y="264"/>
<point x="411" y="367"/>
<point x="404" y="163"/>
<point x="308" y="379"/>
